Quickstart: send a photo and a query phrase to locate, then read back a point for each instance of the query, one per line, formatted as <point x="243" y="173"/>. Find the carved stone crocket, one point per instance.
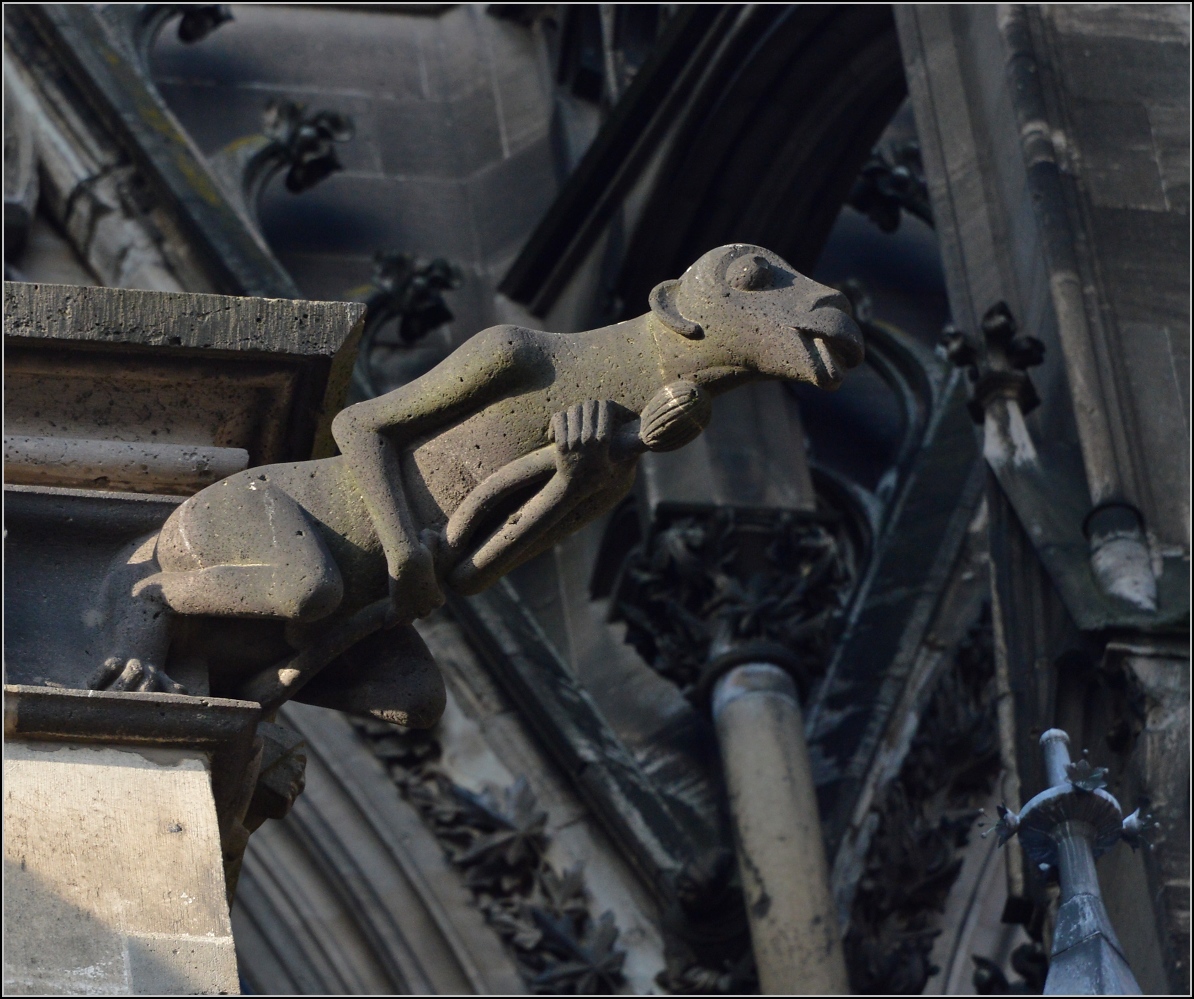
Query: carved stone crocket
<point x="302" y="579"/>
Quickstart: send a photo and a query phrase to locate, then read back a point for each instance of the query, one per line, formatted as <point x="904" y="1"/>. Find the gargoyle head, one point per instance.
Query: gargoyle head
<point x="754" y="311"/>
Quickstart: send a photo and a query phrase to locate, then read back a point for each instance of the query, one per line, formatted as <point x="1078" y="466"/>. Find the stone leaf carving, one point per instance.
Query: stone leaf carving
<point x="292" y="140"/>
<point x="499" y="841"/>
<point x="925" y="818"/>
<point x="892" y="182"/>
<point x="709" y="580"/>
<point x="410" y="291"/>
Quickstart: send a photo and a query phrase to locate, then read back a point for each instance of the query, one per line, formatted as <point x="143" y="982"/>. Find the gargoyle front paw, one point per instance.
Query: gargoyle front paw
<point x="584" y="425"/>
<point x="118" y="673"/>
<point x="582" y="436"/>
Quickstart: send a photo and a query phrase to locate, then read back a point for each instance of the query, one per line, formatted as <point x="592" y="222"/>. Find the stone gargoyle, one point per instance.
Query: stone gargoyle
<point x="303" y="579"/>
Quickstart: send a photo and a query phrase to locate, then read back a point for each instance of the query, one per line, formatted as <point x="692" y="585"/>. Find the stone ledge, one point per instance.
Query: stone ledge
<point x="221" y="727"/>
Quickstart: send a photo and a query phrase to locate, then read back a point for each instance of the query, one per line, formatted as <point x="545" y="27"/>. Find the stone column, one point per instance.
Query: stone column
<point x="726" y="609"/>
<point x="781" y="851"/>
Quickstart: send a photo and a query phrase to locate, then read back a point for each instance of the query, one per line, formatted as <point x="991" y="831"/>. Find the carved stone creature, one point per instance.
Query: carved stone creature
<point x="519" y="438"/>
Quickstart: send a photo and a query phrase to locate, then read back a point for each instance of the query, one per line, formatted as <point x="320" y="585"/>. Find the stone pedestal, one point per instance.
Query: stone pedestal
<point x="126" y="814"/>
<point x="128" y="895"/>
<point x="119" y="813"/>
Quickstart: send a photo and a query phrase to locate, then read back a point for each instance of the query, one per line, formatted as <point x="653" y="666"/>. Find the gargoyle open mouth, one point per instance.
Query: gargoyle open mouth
<point x="834" y="369"/>
<point x="833" y="341"/>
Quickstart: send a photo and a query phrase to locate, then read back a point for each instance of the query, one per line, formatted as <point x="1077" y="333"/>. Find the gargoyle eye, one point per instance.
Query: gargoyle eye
<point x="752" y="273"/>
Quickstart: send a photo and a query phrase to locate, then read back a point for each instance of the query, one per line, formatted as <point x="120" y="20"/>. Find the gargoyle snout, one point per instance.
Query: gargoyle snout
<point x="831" y="298"/>
<point x="829" y="321"/>
<point x="781" y="323"/>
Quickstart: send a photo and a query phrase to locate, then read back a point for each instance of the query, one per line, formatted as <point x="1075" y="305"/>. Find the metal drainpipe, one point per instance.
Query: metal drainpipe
<point x="1120" y="555"/>
<point x="781" y="853"/>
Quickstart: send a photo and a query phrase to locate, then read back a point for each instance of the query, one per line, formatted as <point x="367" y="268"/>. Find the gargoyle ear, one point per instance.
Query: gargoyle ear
<point x="663" y="303"/>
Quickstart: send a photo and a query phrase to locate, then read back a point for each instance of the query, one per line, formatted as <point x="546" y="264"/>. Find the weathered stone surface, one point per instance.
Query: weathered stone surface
<point x="112" y="389"/>
<point x="59" y="545"/>
<point x="161" y="319"/>
<point x="263" y="375"/>
<point x="1056" y="150"/>
<point x="1070" y="165"/>
<point x="146" y="468"/>
<point x="221" y="731"/>
<point x="162" y="393"/>
<point x="439" y="484"/>
<point x="781" y="851"/>
<point x="113" y="873"/>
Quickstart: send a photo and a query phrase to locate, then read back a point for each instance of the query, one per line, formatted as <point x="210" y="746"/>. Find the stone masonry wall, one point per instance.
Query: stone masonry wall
<point x="1122" y="78"/>
<point x="451" y="155"/>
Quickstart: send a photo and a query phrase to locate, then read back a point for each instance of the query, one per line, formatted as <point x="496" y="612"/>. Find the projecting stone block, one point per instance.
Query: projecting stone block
<point x="264" y="376"/>
<point x="113" y="873"/>
<point x="119" y="402"/>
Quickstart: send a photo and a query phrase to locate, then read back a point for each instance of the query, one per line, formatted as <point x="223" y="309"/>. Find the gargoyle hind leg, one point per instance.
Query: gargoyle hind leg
<point x="135" y="624"/>
<point x="239" y="551"/>
<point x="243" y="548"/>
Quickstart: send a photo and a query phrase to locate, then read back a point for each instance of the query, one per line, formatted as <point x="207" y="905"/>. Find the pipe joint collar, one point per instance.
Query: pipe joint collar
<point x="753" y="678"/>
<point x="762" y="652"/>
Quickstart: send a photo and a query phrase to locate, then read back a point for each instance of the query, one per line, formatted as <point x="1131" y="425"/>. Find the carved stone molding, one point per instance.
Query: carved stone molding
<point x="351" y="894"/>
<point x="134" y="195"/>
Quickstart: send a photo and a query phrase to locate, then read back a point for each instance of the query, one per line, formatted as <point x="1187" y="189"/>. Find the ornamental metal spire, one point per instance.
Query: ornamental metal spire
<point x="1063" y="830"/>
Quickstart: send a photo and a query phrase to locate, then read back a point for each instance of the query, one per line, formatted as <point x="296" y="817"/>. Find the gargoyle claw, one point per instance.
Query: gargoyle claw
<point x="119" y="674"/>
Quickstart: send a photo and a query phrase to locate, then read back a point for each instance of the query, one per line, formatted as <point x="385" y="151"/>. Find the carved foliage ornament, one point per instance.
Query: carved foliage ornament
<point x="498" y="840"/>
<point x="925" y="819"/>
<point x="710" y="581"/>
<point x="892" y="182"/>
